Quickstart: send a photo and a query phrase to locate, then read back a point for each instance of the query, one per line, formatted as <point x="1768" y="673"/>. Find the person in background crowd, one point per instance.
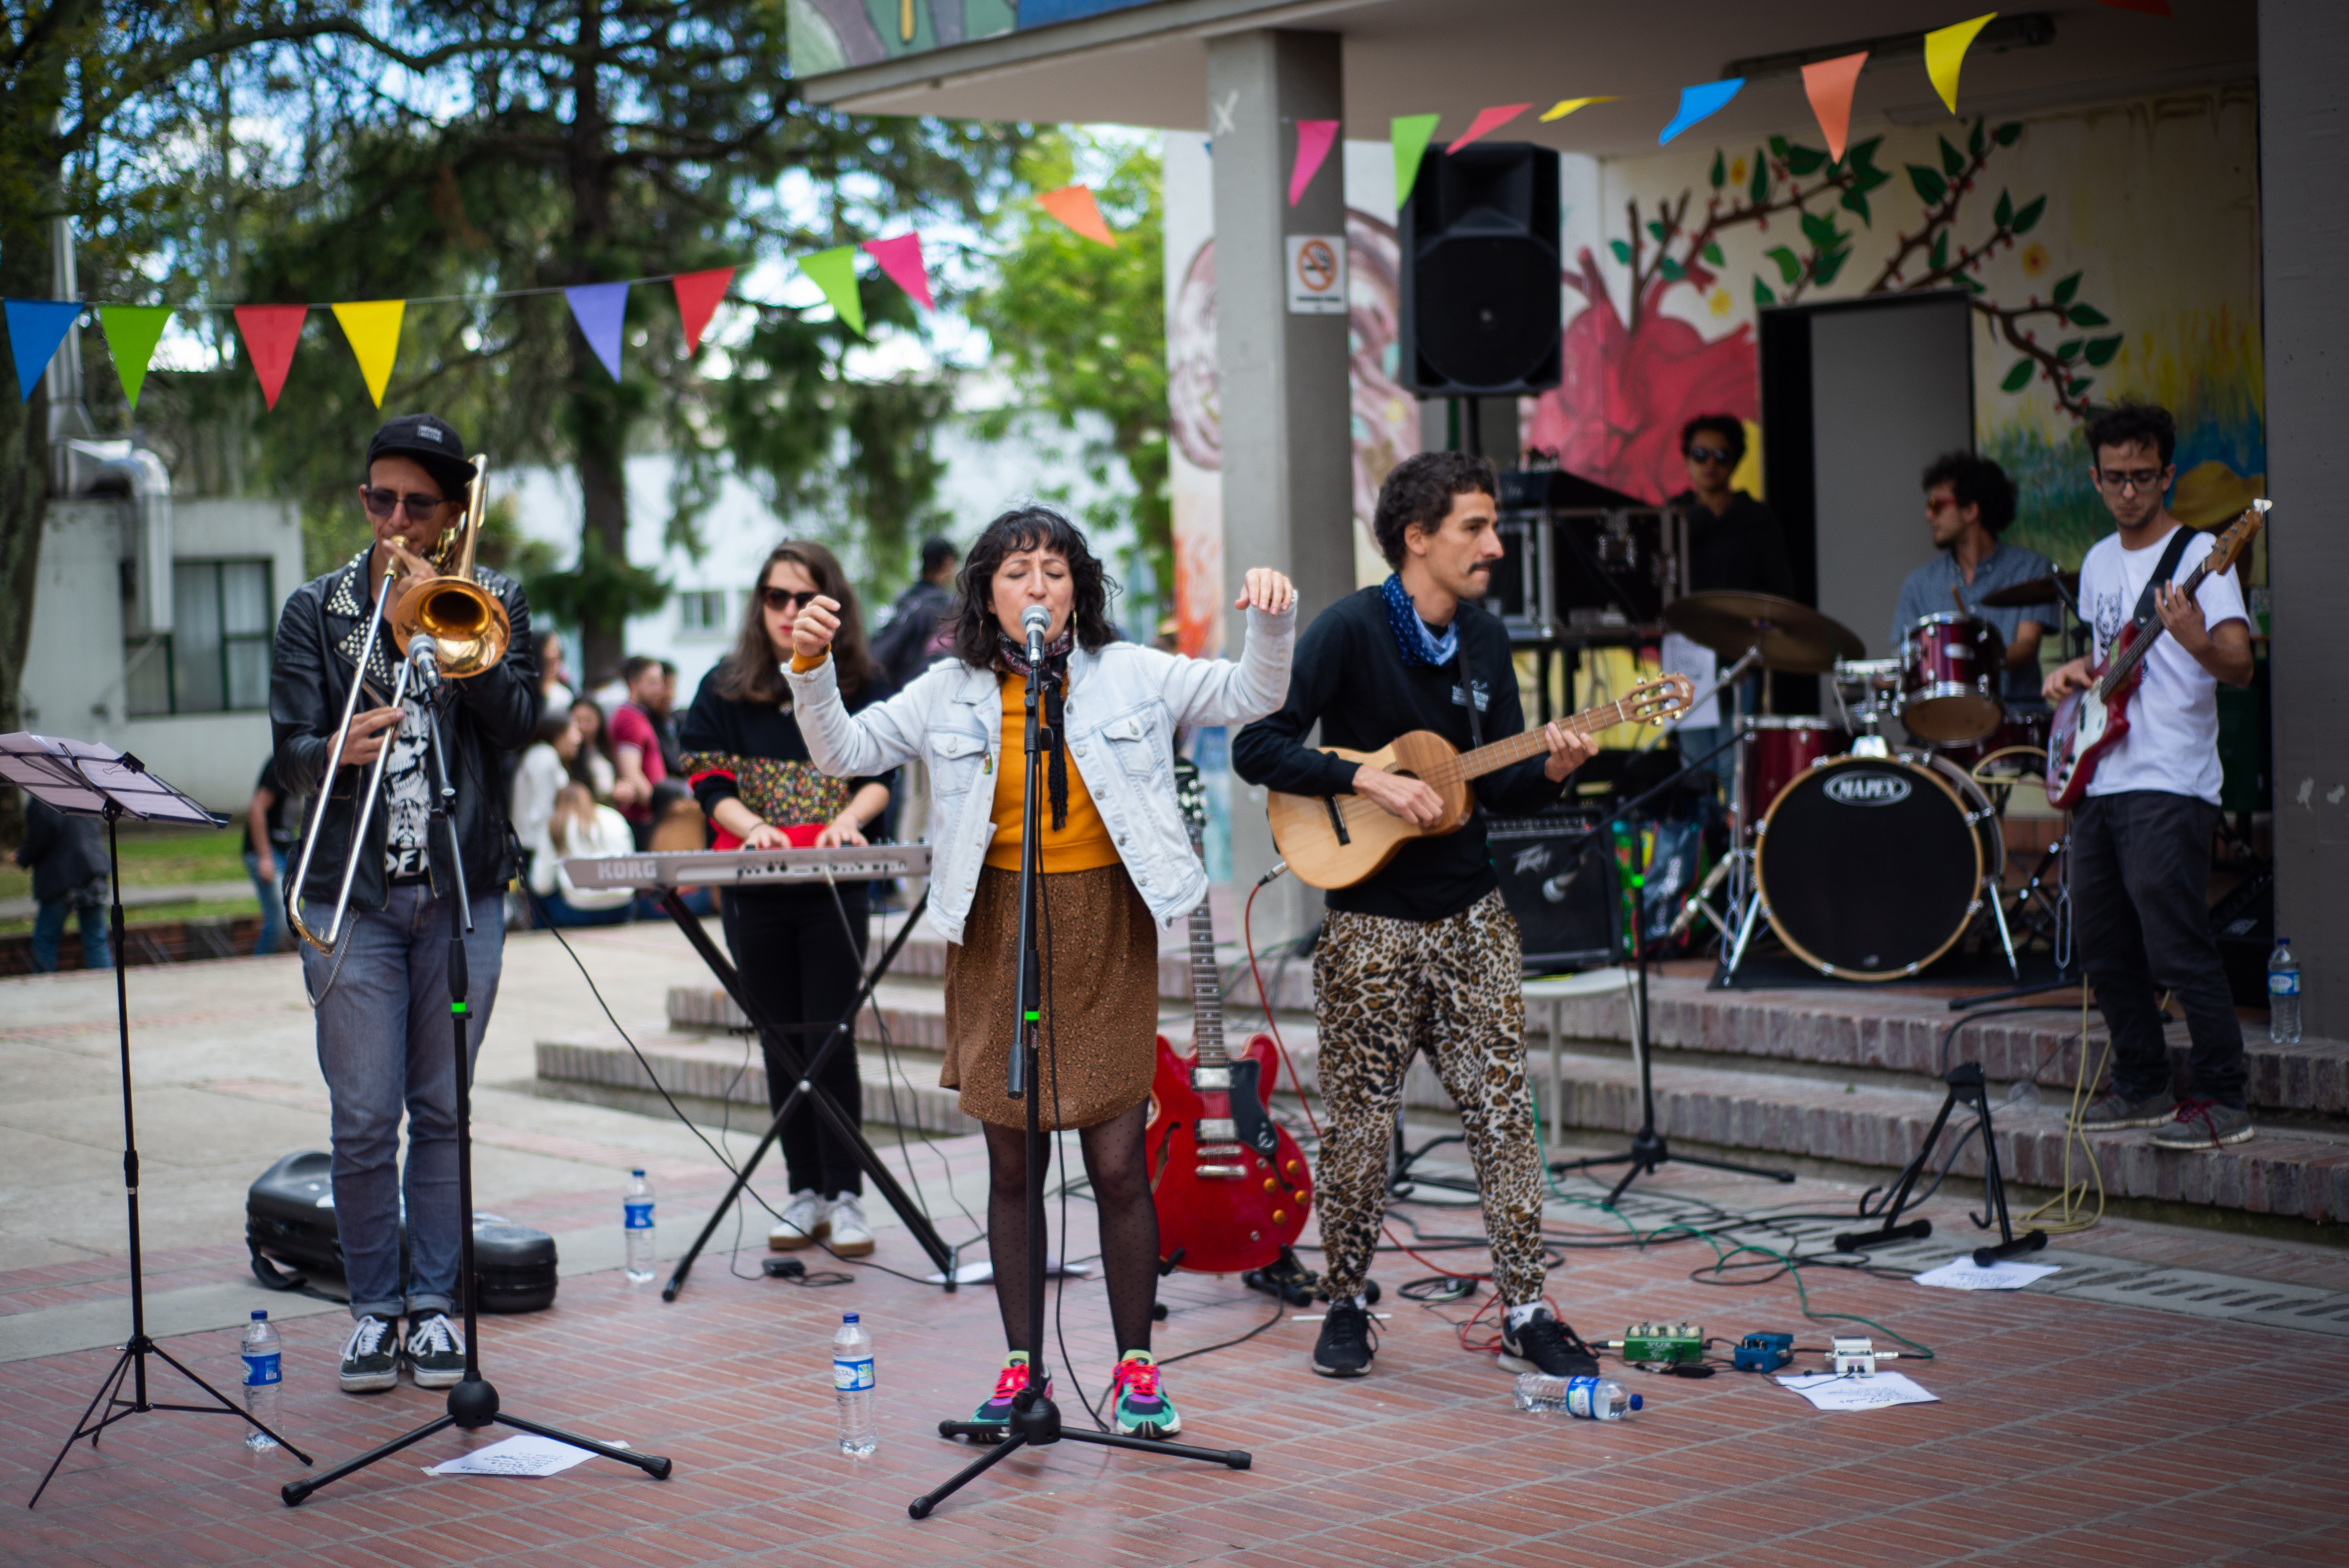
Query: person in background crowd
<point x="553" y="676"/>
<point x="546" y="768"/>
<point x="664" y="717"/>
<point x="67" y="856"/>
<point x="596" y="767"/>
<point x="903" y="648"/>
<point x="800" y="948"/>
<point x="578" y="827"/>
<point x="1969" y="502"/>
<point x="636" y="745"/>
<point x="270" y="838"/>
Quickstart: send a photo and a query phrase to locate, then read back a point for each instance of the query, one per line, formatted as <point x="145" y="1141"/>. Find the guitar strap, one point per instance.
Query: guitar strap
<point x="2145" y="612"/>
<point x="1468" y="687"/>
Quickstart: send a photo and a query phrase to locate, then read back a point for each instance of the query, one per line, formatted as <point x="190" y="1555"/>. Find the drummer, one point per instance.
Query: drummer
<point x="1969" y="502"/>
<point x="1734" y="543"/>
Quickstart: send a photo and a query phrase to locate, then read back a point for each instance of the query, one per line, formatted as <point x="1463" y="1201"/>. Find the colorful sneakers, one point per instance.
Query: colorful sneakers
<point x="1143" y="1410"/>
<point x="1008" y="1382"/>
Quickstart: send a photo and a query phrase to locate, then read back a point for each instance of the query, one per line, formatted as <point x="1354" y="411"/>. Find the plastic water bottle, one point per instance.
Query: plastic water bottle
<point x="1589" y="1398"/>
<point x="264" y="1356"/>
<point x="636" y="1216"/>
<point x="852" y="1383"/>
<point x="2284" y="994"/>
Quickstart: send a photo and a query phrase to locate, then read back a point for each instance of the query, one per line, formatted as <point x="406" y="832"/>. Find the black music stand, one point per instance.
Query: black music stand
<point x="805" y="1087"/>
<point x="474" y="1402"/>
<point x="82" y="779"/>
<point x="1034" y="1419"/>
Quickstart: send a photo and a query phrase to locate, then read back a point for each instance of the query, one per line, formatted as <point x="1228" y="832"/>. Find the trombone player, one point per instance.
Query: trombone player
<point x="377" y="976"/>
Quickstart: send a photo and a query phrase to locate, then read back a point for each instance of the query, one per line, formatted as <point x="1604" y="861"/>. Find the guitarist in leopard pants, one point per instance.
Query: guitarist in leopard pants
<point x="1421" y="956"/>
<point x="2140" y="847"/>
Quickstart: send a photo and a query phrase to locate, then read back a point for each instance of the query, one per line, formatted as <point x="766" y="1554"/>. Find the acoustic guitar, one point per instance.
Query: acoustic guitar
<point x="2091" y="722"/>
<point x="1231" y="1186"/>
<point x="1337" y="840"/>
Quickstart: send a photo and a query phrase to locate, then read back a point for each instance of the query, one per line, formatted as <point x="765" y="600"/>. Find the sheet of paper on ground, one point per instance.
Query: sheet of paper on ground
<point x="1964" y="1274"/>
<point x="528" y="1455"/>
<point x="1829" y="1392"/>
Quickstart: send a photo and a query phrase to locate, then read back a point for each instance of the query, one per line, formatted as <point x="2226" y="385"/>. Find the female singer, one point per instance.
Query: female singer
<point x="800" y="948"/>
<point x="1114" y="861"/>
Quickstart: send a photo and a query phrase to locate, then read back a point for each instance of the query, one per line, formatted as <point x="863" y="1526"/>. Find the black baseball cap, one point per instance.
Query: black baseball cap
<point x="431" y="441"/>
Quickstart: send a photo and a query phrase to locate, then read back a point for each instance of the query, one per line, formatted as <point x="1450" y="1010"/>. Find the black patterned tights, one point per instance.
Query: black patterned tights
<point x="1129" y="1224"/>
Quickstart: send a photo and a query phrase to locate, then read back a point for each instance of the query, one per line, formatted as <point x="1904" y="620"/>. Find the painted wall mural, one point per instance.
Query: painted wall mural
<point x="2110" y="252"/>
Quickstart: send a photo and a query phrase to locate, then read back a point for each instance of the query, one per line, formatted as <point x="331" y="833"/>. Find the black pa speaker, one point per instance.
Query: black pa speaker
<point x="1561" y="881"/>
<point x="1482" y="301"/>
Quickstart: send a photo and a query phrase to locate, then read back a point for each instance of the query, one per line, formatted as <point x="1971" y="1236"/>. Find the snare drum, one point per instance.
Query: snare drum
<point x="1949" y="669"/>
<point x="1778" y="751"/>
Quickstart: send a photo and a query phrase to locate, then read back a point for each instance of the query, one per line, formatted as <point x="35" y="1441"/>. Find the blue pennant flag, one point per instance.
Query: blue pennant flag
<point x="598" y="308"/>
<point x="35" y="327"/>
<point x="1701" y="102"/>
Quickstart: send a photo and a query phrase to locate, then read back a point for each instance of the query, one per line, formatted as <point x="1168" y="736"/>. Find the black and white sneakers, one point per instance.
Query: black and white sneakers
<point x="371" y="1356"/>
<point x="435" y="1352"/>
<point x="1540" y="1343"/>
<point x="1344" y="1348"/>
<point x="433" y="1349"/>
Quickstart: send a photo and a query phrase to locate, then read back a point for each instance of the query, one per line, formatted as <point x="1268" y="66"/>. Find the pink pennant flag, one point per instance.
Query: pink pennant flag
<point x="697" y="295"/>
<point x="1830" y="84"/>
<point x="270" y="332"/>
<point x="1314" y="139"/>
<point x="1487" y="121"/>
<point x="900" y="257"/>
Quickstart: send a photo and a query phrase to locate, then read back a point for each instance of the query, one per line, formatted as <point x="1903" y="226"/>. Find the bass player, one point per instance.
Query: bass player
<point x="1423" y="955"/>
<point x="2140" y="846"/>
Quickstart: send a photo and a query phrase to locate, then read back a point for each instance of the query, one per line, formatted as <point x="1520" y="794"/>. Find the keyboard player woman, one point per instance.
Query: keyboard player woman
<point x="1116" y="863"/>
<point x="749" y="770"/>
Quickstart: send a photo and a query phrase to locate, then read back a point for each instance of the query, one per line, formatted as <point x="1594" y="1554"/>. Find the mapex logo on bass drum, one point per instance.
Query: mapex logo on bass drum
<point x="1868" y="790"/>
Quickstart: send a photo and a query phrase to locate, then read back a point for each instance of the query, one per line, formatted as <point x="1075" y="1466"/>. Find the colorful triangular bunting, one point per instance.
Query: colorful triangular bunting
<point x="1074" y="206"/>
<point x="373" y="329"/>
<point x="600" y="309"/>
<point x="1314" y="139"/>
<point x="1565" y="107"/>
<point x="131" y="333"/>
<point x="697" y="295"/>
<point x="900" y="257"/>
<point x="35" y="327"/>
<point x="1945" y="51"/>
<point x="1700" y="102"/>
<point x="1410" y="134"/>
<point x="835" y="272"/>
<point x="270" y="332"/>
<point x="1487" y="121"/>
<point x="1830" y="84"/>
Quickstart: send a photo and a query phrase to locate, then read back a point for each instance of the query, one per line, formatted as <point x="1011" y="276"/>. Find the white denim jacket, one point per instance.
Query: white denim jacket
<point x="1124" y="703"/>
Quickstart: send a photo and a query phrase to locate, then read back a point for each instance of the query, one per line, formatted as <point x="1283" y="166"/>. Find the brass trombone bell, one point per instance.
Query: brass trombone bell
<point x="440" y="599"/>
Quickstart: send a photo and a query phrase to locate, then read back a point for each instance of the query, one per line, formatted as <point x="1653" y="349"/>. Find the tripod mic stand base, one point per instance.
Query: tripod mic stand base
<point x="1649" y="1153"/>
<point x="1038" y="1424"/>
<point x="472" y="1405"/>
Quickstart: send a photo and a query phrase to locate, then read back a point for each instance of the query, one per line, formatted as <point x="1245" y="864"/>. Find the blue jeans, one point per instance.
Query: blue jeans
<point x="49" y="930"/>
<point x="385" y="1046"/>
<point x="273" y="904"/>
<point x="556" y="909"/>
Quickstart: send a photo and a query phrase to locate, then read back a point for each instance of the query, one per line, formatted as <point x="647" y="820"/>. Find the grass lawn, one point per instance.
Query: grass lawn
<point x="159" y="915"/>
<point x="158" y="856"/>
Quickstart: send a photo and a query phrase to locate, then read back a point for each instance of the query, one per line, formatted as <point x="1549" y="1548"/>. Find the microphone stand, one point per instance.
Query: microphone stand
<point x="1034" y="1419"/>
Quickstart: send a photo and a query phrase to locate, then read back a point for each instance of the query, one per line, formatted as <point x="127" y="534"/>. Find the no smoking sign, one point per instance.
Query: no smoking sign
<point x="1317" y="274"/>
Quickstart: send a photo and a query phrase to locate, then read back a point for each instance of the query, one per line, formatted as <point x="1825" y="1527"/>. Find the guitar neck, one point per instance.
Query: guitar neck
<point x="1500" y="754"/>
<point x="2134" y="655"/>
<point x="1207" y="983"/>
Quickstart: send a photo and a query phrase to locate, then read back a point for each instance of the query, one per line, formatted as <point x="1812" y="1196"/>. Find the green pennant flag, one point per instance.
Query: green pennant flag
<point x="835" y="272"/>
<point x="1410" y="133"/>
<point x="132" y="332"/>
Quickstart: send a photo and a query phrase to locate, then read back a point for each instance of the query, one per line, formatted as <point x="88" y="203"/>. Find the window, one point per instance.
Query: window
<point x="215" y="659"/>
<point x="702" y="612"/>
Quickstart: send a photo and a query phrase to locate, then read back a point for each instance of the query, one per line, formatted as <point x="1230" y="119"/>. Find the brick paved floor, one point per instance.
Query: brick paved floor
<point x="2069" y="1433"/>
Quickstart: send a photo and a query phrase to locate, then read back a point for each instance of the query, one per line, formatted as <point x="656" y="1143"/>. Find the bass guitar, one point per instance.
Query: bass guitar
<point x="1337" y="840"/>
<point x="1230" y="1183"/>
<point x="2090" y="722"/>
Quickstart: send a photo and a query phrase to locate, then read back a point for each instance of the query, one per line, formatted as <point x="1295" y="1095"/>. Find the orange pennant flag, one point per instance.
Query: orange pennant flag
<point x="1074" y="205"/>
<point x="1830" y="84"/>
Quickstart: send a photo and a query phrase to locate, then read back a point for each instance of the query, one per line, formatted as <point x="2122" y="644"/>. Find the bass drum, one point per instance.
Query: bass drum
<point x="1872" y="867"/>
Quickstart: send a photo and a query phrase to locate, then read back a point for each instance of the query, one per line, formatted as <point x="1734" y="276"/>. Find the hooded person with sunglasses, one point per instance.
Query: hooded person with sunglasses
<point x="381" y="997"/>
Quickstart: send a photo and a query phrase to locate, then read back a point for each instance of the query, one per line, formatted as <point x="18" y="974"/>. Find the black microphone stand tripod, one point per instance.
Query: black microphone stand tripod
<point x="1036" y="1419"/>
<point x="472" y="1403"/>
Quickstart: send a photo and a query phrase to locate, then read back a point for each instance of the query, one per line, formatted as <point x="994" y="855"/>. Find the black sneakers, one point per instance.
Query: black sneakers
<point x="1344" y="1348"/>
<point x="436" y="1352"/>
<point x="1543" y="1344"/>
<point x="370" y="1357"/>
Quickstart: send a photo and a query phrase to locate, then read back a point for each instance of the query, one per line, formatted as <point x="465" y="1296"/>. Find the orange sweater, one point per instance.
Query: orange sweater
<point x="1083" y="845"/>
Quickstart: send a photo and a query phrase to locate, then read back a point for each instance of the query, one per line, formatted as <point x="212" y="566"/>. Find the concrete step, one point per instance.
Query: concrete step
<point x="706" y="1075"/>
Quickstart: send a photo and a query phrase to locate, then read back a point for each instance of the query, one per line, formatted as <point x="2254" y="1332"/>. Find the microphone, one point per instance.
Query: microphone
<point x="1035" y="620"/>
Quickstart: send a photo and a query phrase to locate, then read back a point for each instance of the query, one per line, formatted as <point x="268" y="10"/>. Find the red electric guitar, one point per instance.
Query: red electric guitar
<point x="2091" y="722"/>
<point x="1230" y="1183"/>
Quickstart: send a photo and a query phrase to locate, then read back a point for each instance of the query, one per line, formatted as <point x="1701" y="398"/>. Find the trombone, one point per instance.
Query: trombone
<point x="444" y="624"/>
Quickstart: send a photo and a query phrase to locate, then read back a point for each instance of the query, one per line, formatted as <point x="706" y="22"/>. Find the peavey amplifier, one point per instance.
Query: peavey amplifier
<point x="289" y="1218"/>
<point x="1560" y="883"/>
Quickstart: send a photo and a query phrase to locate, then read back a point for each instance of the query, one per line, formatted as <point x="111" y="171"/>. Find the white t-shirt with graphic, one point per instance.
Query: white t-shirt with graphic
<point x="407" y="799"/>
<point x="2172" y="743"/>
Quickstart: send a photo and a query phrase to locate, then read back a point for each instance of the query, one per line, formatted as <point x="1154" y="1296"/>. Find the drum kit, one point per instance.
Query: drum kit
<point x="1871" y="840"/>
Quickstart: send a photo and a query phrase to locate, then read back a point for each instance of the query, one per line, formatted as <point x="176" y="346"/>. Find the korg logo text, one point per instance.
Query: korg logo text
<point x="1869" y="789"/>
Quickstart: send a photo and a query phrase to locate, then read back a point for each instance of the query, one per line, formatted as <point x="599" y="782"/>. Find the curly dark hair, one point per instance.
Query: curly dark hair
<point x="752" y="673"/>
<point x="1728" y="427"/>
<point x="2127" y="424"/>
<point x="970" y="627"/>
<point x="1418" y="493"/>
<point x="1975" y="481"/>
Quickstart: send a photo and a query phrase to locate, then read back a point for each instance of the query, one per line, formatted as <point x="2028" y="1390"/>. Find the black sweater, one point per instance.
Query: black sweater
<point x="1349" y="677"/>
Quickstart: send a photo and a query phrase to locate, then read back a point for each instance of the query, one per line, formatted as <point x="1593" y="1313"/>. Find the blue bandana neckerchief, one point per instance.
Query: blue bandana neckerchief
<point x="1419" y="646"/>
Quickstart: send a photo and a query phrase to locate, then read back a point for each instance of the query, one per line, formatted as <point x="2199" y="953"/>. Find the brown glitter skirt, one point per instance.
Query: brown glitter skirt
<point x="1100" y="950"/>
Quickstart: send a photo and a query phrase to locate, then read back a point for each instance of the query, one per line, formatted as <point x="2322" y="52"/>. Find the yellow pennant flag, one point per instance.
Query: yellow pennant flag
<point x="373" y="329"/>
<point x="1945" y="51"/>
<point x="1565" y="107"/>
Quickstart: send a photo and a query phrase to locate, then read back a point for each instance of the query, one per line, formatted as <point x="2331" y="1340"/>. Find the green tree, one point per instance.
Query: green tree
<point x="1081" y="328"/>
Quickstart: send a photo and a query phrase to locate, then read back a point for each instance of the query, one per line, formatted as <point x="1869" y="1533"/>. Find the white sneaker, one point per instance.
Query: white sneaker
<point x="850" y="1236"/>
<point x="807" y="1220"/>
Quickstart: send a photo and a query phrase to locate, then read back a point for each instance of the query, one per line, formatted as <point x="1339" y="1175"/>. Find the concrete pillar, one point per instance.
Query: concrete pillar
<point x="1287" y="420"/>
<point x="2303" y="58"/>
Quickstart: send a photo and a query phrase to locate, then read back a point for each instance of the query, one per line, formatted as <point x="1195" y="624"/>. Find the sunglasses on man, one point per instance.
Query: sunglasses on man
<point x="1722" y="455"/>
<point x="421" y="508"/>
<point x="784" y="598"/>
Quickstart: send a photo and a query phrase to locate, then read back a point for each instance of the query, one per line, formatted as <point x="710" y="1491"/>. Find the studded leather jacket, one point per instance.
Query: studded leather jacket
<point x="483" y="717"/>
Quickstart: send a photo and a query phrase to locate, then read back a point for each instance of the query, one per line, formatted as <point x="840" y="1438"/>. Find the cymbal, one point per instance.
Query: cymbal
<point x="2063" y="585"/>
<point x="1790" y="636"/>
